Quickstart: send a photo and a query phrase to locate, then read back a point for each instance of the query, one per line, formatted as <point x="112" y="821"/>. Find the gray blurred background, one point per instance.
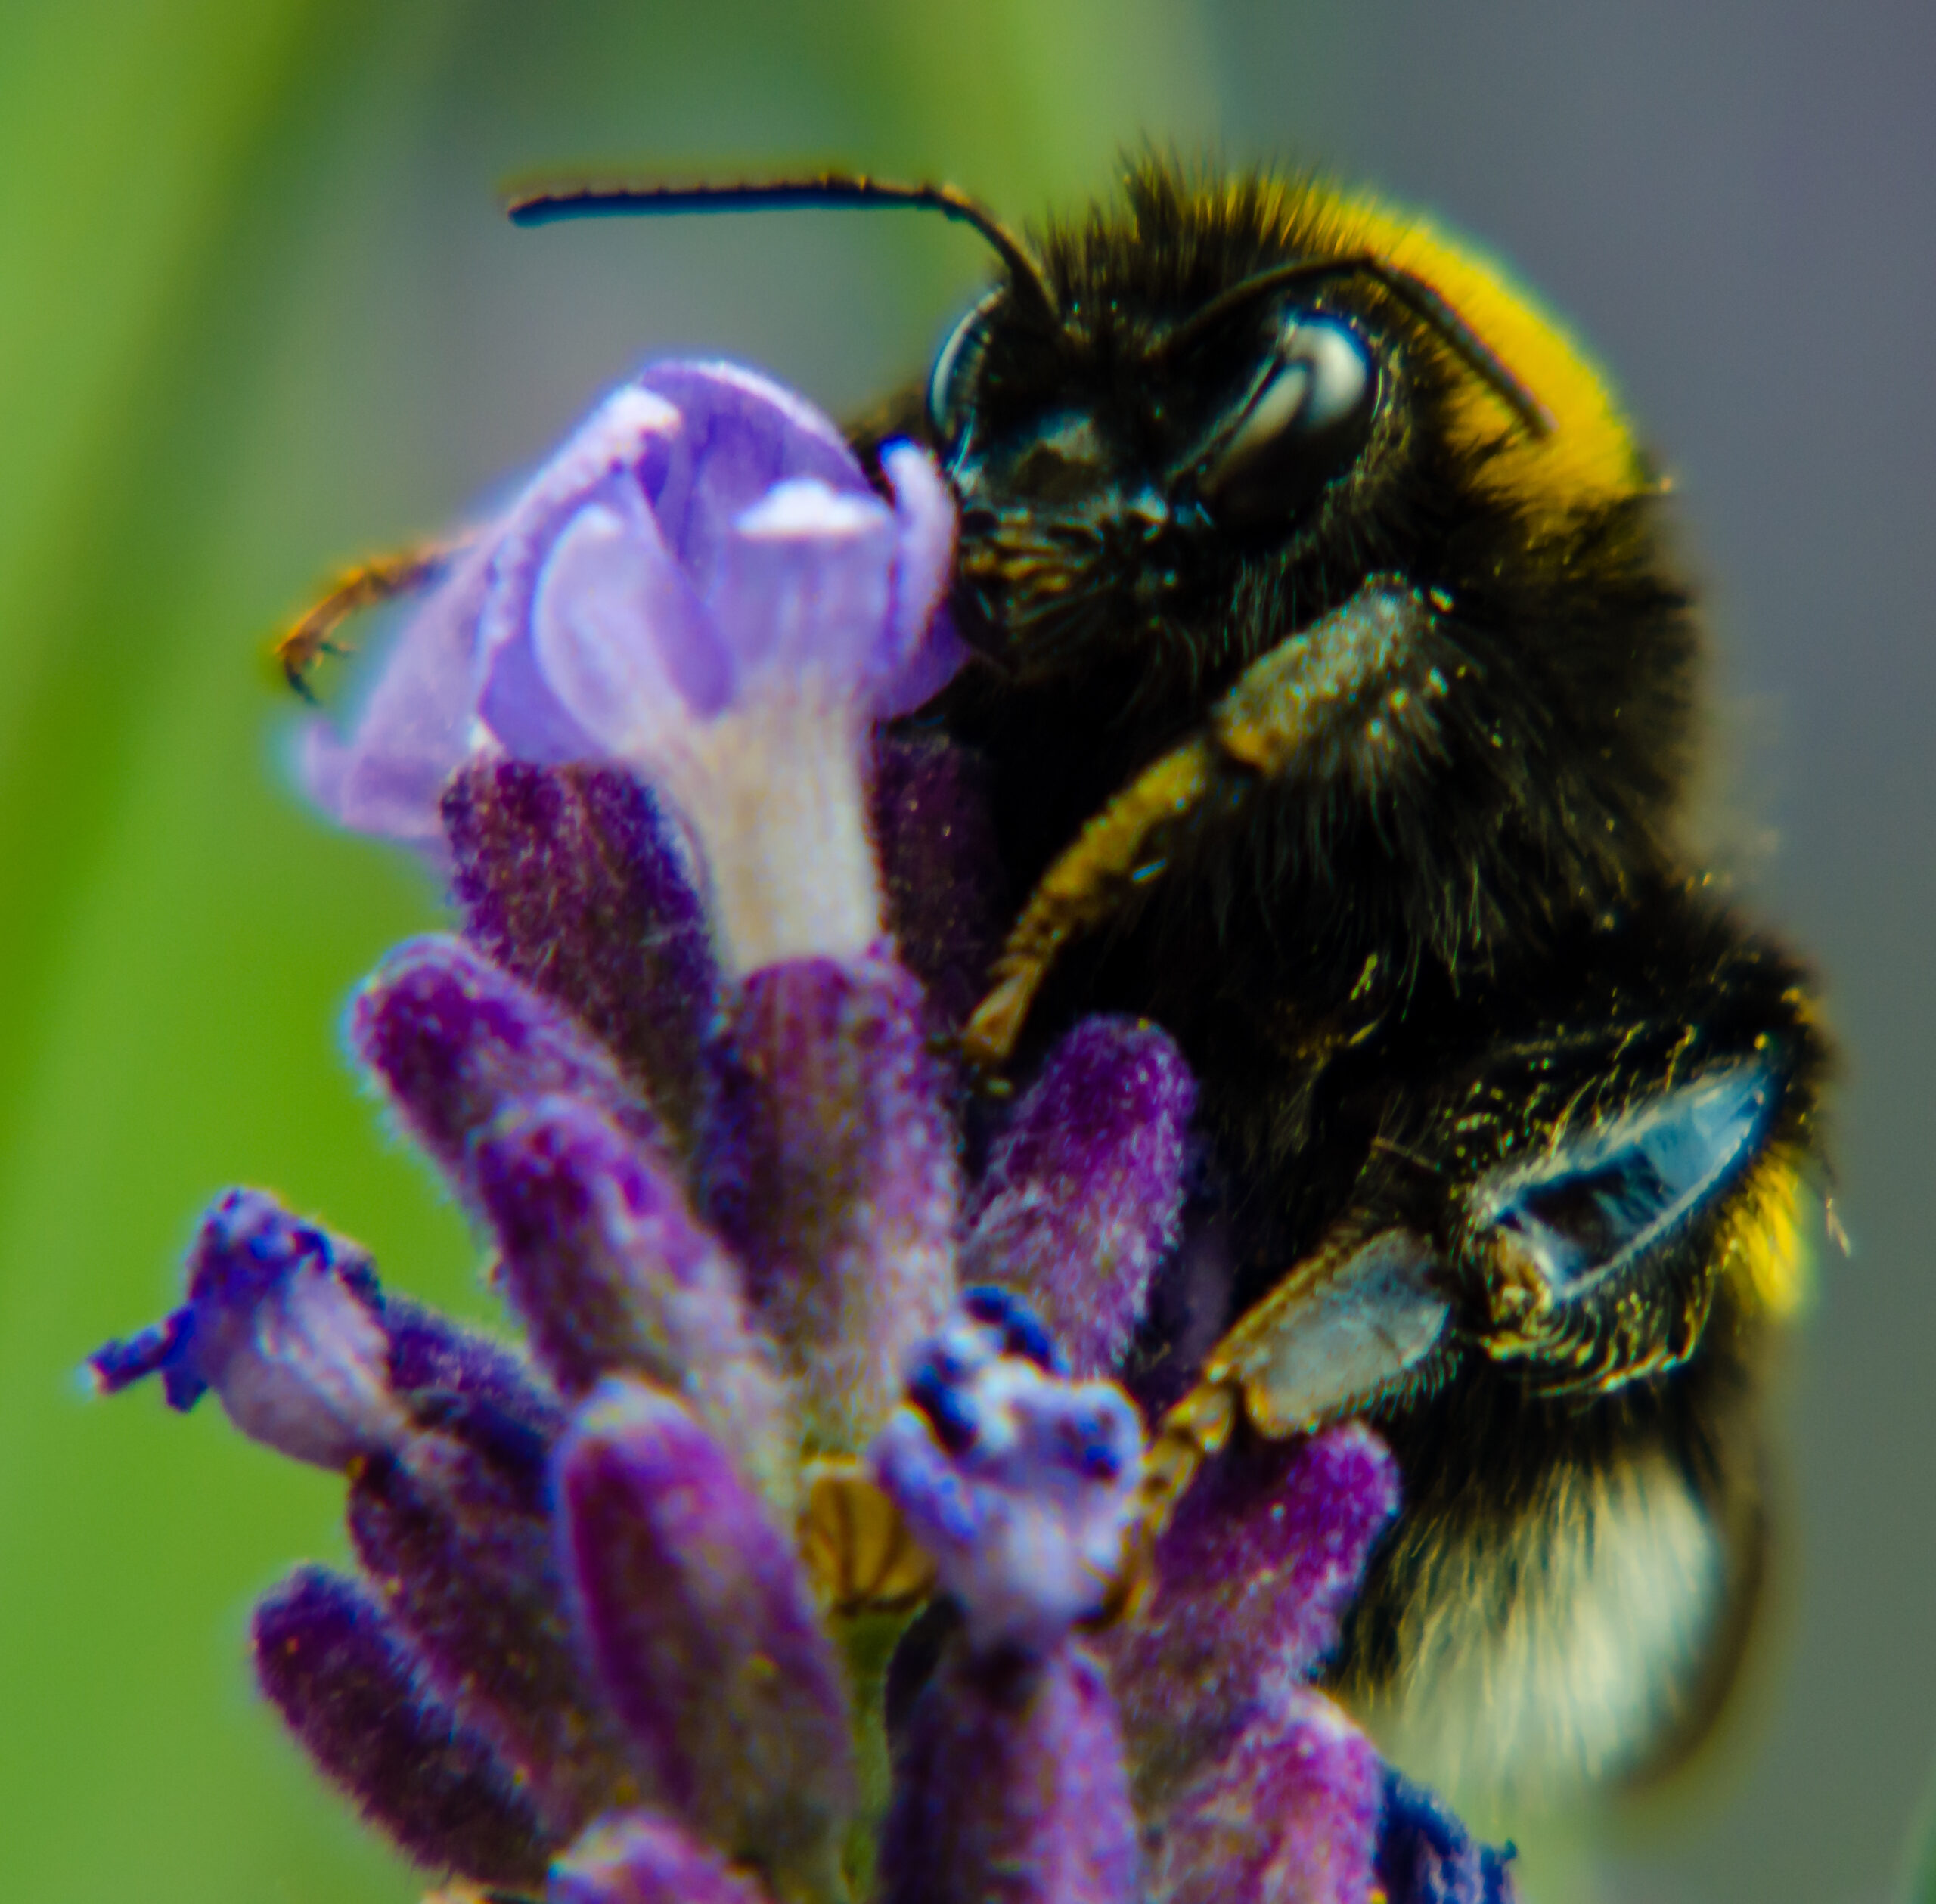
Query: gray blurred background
<point x="259" y="314"/>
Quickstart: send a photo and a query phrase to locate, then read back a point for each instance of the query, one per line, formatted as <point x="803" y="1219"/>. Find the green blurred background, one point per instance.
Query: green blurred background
<point x="259" y="314"/>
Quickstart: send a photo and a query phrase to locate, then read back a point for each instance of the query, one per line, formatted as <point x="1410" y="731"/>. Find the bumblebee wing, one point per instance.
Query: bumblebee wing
<point x="1644" y="1204"/>
<point x="1603" y="1198"/>
<point x="1601" y="1252"/>
<point x="1349" y="1326"/>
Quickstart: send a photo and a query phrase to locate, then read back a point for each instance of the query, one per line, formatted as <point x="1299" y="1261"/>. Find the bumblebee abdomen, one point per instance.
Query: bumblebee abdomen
<point x="1553" y="1277"/>
<point x="1531" y="1650"/>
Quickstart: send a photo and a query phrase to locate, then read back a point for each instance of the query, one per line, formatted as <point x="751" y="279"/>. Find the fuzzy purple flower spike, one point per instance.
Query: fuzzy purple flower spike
<point x="773" y="1569"/>
<point x="1010" y="1782"/>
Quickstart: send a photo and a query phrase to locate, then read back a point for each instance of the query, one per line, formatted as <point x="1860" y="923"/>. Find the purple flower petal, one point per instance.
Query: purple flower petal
<point x="572" y="881"/>
<point x="347" y="1684"/>
<point x="742" y="434"/>
<point x="617" y="637"/>
<point x="637" y="1857"/>
<point x="284" y="1321"/>
<point x="456" y="1043"/>
<point x="833" y="1172"/>
<point x="704" y="1634"/>
<point x="1083" y="1195"/>
<point x="1254" y="1573"/>
<point x="923" y="652"/>
<point x="421" y="719"/>
<point x="582" y="540"/>
<point x="1020" y="1484"/>
<point x="604" y="1261"/>
<point x="1009" y="1788"/>
<point x="1290" y="1815"/>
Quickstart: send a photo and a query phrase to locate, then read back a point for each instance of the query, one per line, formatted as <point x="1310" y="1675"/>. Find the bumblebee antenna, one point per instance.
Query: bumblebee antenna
<point x="1414" y="293"/>
<point x="828" y="190"/>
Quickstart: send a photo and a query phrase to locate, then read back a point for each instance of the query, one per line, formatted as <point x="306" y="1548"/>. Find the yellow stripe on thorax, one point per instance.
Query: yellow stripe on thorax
<point x="1590" y="456"/>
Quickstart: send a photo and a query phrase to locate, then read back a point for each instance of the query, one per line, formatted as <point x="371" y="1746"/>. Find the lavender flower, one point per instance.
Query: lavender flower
<point x="283" y="1322"/>
<point x="1020" y="1483"/>
<point x="607" y="1638"/>
<point x="1011" y="1782"/>
<point x="702" y="586"/>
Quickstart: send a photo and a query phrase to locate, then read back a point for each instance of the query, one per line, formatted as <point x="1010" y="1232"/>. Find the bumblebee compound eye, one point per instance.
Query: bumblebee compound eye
<point x="948" y="381"/>
<point x="1303" y="426"/>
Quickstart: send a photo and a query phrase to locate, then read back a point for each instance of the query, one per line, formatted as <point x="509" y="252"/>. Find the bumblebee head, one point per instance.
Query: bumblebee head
<point x="1215" y="420"/>
<point x="1259" y="379"/>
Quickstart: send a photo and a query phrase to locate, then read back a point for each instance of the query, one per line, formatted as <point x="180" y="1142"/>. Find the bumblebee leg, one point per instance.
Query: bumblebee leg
<point x="368" y="584"/>
<point x="1188" y="1436"/>
<point x="1285" y="707"/>
<point x="1345" y="1329"/>
<point x="1081" y="888"/>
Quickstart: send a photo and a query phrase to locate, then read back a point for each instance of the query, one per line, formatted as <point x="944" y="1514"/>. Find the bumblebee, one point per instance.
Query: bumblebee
<point x="1339" y="701"/>
<point x="1343" y="707"/>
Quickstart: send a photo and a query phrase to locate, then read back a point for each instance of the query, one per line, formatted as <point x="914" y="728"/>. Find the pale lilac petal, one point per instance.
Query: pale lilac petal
<point x="419" y="723"/>
<point x="702" y="575"/>
<point x="934" y="662"/>
<point x="607" y="608"/>
<point x="525" y="716"/>
<point x="922" y="651"/>
<point x="802" y="584"/>
<point x="743" y="434"/>
<point x="633" y="437"/>
<point x="590" y="502"/>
